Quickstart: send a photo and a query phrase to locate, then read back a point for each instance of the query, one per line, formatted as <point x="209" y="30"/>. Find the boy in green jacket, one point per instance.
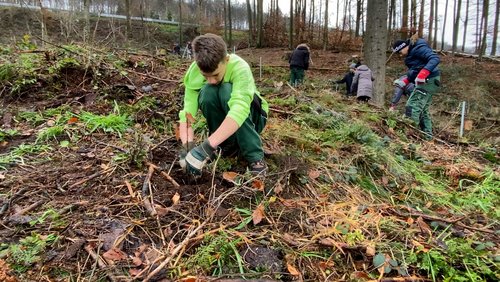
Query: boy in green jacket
<point x="223" y="87"/>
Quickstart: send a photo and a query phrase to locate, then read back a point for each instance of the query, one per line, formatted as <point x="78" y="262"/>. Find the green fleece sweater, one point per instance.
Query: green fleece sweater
<point x="239" y="74"/>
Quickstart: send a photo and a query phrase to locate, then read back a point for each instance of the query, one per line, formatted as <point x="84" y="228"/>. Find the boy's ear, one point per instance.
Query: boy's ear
<point x="226" y="59"/>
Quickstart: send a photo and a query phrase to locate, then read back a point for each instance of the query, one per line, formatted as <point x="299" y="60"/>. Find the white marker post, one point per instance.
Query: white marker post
<point x="462" y="120"/>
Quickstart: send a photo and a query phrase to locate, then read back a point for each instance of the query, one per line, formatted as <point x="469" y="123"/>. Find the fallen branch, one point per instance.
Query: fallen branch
<point x="8" y="202"/>
<point x="164" y="174"/>
<point x="167" y="259"/>
<point x="147" y="198"/>
<point x="154" y="77"/>
<point x="455" y="221"/>
<point x="99" y="173"/>
<point x="282" y="111"/>
<point x="100" y="262"/>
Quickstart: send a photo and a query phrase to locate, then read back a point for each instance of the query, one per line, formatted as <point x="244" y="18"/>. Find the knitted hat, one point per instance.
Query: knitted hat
<point x="399" y="45"/>
<point x="352" y="66"/>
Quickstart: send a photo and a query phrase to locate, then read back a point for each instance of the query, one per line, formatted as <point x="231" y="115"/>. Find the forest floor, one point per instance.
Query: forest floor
<point x="90" y="189"/>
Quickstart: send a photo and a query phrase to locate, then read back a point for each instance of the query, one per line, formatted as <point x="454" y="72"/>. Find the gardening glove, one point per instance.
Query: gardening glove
<point x="400" y="83"/>
<point x="183" y="152"/>
<point x="198" y="157"/>
<point x="422" y="77"/>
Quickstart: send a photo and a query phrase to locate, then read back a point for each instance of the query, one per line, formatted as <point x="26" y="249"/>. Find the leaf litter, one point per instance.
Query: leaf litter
<point x="311" y="219"/>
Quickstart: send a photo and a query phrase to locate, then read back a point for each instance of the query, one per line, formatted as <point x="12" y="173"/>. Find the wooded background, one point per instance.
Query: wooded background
<point x="322" y="23"/>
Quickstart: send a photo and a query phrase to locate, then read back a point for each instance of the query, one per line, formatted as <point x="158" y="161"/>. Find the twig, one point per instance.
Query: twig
<point x="155" y="77"/>
<point x="99" y="173"/>
<point x="146" y="192"/>
<point x="167" y="259"/>
<point x="164" y="174"/>
<point x="282" y="111"/>
<point x="29" y="208"/>
<point x="7" y="203"/>
<point x="456" y="221"/>
<point x="71" y="206"/>
<point x="100" y="262"/>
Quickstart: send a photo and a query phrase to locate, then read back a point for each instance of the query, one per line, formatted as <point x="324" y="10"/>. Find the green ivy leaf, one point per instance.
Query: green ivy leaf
<point x="378" y="260"/>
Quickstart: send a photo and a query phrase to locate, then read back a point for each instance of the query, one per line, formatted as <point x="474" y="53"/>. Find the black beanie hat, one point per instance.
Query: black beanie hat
<point x="399" y="45"/>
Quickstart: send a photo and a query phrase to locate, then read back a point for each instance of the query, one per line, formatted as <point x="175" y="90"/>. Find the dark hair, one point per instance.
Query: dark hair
<point x="209" y="50"/>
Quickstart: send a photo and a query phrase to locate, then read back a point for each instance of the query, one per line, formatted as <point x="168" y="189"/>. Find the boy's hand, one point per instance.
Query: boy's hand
<point x="183" y="152"/>
<point x="198" y="157"/>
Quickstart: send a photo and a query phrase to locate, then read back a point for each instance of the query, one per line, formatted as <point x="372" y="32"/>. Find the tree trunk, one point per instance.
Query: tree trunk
<point x="129" y="20"/>
<point x="456" y="26"/>
<point x="260" y="20"/>
<point x="375" y="46"/>
<point x="249" y="16"/>
<point x="392" y="14"/>
<point x="180" y="22"/>
<point x="466" y="21"/>
<point x="359" y="11"/>
<point x="325" y="27"/>
<point x="486" y="4"/>
<point x="404" y="20"/>
<point x="413" y="16"/>
<point x="431" y="22"/>
<point x="290" y="39"/>
<point x="495" y="31"/>
<point x="434" y="43"/>
<point x="230" y="24"/>
<point x="479" y="26"/>
<point x="43" y="23"/>
<point x="86" y="17"/>
<point x="444" y="24"/>
<point x="421" y="20"/>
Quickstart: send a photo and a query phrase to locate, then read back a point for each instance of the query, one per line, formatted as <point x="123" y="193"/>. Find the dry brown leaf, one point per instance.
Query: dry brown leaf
<point x="134" y="271"/>
<point x="410" y="221"/>
<point x="161" y="211"/>
<point x="288" y="203"/>
<point x="324" y="265"/>
<point x="114" y="255"/>
<point x="231" y="176"/>
<point x="258" y="184"/>
<point x="370" y="251"/>
<point x="258" y="214"/>
<point x="278" y="189"/>
<point x="292" y="270"/>
<point x="314" y="173"/>
<point x="419" y="246"/>
<point x="72" y="120"/>
<point x="423" y="226"/>
<point x="290" y="239"/>
<point x="359" y="275"/>
<point x="176" y="198"/>
<point x="136" y="261"/>
<point x="190" y="279"/>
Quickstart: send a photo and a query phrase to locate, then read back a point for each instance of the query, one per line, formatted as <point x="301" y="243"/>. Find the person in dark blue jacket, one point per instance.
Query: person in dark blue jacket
<point x="299" y="63"/>
<point x="423" y="71"/>
<point x="347" y="79"/>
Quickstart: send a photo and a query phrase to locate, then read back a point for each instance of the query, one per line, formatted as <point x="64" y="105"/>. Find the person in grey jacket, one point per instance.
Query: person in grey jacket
<point x="400" y="91"/>
<point x="362" y="83"/>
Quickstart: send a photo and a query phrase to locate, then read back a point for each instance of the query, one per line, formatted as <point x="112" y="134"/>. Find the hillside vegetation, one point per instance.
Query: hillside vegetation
<point x="90" y="189"/>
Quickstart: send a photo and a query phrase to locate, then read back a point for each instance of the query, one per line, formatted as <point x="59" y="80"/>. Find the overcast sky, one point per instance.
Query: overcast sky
<point x="285" y="8"/>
